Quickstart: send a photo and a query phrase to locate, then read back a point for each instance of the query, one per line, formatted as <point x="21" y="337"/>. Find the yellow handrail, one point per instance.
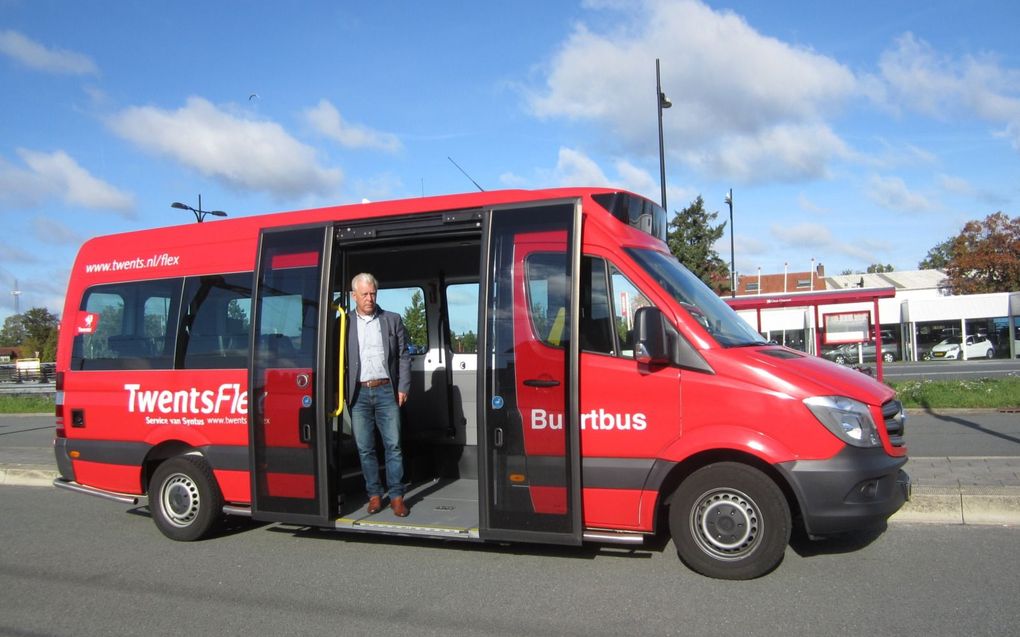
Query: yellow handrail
<point x="340" y="361"/>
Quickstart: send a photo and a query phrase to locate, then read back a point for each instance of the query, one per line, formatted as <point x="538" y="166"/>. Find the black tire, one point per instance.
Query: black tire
<point x="990" y="353"/>
<point x="730" y="521"/>
<point x="888" y="357"/>
<point x="840" y="359"/>
<point x="184" y="499"/>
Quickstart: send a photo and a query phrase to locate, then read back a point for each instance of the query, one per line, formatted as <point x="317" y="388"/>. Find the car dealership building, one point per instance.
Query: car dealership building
<point x="911" y="309"/>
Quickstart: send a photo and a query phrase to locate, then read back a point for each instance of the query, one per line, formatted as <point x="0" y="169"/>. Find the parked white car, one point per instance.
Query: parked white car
<point x="952" y="348"/>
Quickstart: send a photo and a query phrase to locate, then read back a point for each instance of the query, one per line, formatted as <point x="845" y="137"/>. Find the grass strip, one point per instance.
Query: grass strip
<point x="980" y="393"/>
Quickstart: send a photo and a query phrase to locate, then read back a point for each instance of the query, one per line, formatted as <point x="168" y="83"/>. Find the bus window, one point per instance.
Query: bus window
<point x="131" y="326"/>
<point x="626" y="299"/>
<point x="596" y="327"/>
<point x="217" y="321"/>
<point x="409" y="303"/>
<point x="462" y="303"/>
<point x="547" y="296"/>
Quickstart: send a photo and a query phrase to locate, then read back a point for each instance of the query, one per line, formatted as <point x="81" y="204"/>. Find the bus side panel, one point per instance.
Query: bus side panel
<point x="112" y="411"/>
<point x="624" y="509"/>
<point x="235" y="485"/>
<point x="109" y="477"/>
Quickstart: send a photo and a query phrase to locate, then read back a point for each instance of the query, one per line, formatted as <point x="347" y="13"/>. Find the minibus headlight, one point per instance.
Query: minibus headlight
<point x="850" y="420"/>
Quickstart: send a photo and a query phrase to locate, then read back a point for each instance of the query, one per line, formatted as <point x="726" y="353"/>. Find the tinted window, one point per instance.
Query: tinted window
<point x="133" y="326"/>
<point x="217" y="321"/>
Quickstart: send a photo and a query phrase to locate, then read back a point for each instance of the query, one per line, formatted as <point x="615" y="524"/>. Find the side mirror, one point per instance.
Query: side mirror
<point x="650" y="342"/>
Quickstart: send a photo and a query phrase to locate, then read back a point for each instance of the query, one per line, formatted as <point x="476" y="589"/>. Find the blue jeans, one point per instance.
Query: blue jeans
<point x="376" y="408"/>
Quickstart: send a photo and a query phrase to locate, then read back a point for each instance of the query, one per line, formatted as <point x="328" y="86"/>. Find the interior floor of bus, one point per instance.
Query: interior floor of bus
<point x="442" y="507"/>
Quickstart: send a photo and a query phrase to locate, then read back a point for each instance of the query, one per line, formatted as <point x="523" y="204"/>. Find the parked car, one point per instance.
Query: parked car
<point x="952" y="348"/>
<point x="847" y="354"/>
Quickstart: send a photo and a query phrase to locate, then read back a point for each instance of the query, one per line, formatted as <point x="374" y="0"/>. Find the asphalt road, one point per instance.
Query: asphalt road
<point x="72" y="565"/>
<point x="951" y="370"/>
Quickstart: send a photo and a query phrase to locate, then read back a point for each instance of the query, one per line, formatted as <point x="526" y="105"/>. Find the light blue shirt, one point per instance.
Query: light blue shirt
<point x="370" y="346"/>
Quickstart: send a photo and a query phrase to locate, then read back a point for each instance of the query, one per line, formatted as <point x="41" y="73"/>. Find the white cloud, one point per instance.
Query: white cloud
<point x="512" y="180"/>
<point x="57" y="175"/>
<point x="892" y="193"/>
<point x="780" y="153"/>
<point x="753" y="90"/>
<point x="38" y="57"/>
<point x="51" y="231"/>
<point x="326" y="119"/>
<point x="808" y="205"/>
<point x="574" y="168"/>
<point x="816" y="239"/>
<point x="240" y="152"/>
<point x="921" y="80"/>
<point x="956" y="185"/>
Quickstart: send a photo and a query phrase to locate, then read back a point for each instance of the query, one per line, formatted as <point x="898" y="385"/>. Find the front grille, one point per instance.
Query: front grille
<point x="895" y="422"/>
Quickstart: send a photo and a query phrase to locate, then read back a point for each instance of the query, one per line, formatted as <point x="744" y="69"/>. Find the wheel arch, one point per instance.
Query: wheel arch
<point x="161" y="453"/>
<point x="682" y="470"/>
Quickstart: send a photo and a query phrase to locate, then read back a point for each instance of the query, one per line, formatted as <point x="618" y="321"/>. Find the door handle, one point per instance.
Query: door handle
<point x="497" y="437"/>
<point x="306" y="432"/>
<point x="541" y="382"/>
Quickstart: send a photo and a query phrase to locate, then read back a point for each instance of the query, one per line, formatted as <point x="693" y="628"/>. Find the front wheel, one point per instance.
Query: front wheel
<point x="840" y="359"/>
<point x="887" y="357"/>
<point x="730" y="521"/>
<point x="184" y="499"/>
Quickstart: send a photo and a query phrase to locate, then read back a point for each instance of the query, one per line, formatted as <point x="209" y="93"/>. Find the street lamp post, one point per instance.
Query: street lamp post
<point x="199" y="213"/>
<point x="733" y="268"/>
<point x="662" y="102"/>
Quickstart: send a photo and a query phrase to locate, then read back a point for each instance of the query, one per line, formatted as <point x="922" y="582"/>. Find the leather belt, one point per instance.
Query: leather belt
<point x="375" y="383"/>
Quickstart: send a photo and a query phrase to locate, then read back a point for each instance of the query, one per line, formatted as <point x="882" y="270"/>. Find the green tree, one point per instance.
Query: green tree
<point x="34" y="331"/>
<point x="691" y="237"/>
<point x="878" y="268"/>
<point x="465" y="343"/>
<point x="985" y="256"/>
<point x="13" y="332"/>
<point x="414" y="320"/>
<point x="41" y="328"/>
<point x="938" y="257"/>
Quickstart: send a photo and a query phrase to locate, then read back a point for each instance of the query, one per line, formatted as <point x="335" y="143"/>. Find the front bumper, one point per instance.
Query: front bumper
<point x="856" y="489"/>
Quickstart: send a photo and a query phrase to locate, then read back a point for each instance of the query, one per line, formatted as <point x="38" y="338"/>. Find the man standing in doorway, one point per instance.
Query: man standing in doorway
<point x="378" y="380"/>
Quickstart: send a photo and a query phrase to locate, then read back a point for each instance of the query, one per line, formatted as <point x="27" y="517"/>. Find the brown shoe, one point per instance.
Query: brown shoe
<point x="399" y="508"/>
<point x="375" y="504"/>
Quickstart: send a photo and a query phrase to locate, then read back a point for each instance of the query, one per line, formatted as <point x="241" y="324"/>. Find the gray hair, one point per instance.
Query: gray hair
<point x="364" y="277"/>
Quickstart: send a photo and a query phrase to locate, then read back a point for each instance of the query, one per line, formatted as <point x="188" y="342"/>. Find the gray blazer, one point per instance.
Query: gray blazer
<point x="398" y="359"/>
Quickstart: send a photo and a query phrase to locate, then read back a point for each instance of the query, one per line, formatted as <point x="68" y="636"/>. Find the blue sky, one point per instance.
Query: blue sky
<point x="853" y="133"/>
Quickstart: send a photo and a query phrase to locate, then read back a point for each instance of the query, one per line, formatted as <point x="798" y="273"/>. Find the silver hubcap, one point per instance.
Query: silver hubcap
<point x="726" y="524"/>
<point x="179" y="497"/>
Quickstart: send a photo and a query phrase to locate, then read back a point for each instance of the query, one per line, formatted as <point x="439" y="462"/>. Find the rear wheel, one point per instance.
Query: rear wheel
<point x="730" y="521"/>
<point x="184" y="499"/>
<point x="990" y="353"/>
<point x="887" y="357"/>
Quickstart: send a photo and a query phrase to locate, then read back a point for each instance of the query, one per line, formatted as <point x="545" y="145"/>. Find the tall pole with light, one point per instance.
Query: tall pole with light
<point x="16" y="293"/>
<point x="733" y="267"/>
<point x="199" y="213"/>
<point x="661" y="102"/>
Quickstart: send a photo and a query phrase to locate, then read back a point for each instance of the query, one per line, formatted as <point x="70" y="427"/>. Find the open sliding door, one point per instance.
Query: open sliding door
<point x="289" y="442"/>
<point x="528" y="398"/>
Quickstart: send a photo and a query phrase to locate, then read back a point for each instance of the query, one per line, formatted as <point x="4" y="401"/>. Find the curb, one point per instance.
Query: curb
<point x="27" y="475"/>
<point x="928" y="505"/>
<point x="961" y="505"/>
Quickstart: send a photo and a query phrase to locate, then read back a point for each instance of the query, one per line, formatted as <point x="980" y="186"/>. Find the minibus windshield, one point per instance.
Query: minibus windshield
<point x="728" y="329"/>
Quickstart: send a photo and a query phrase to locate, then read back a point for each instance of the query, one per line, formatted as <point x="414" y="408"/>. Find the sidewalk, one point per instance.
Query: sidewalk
<point x="945" y="490"/>
<point x="967" y="490"/>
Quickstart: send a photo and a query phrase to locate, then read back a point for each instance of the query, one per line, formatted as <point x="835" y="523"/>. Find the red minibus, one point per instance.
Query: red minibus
<point x="571" y="382"/>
